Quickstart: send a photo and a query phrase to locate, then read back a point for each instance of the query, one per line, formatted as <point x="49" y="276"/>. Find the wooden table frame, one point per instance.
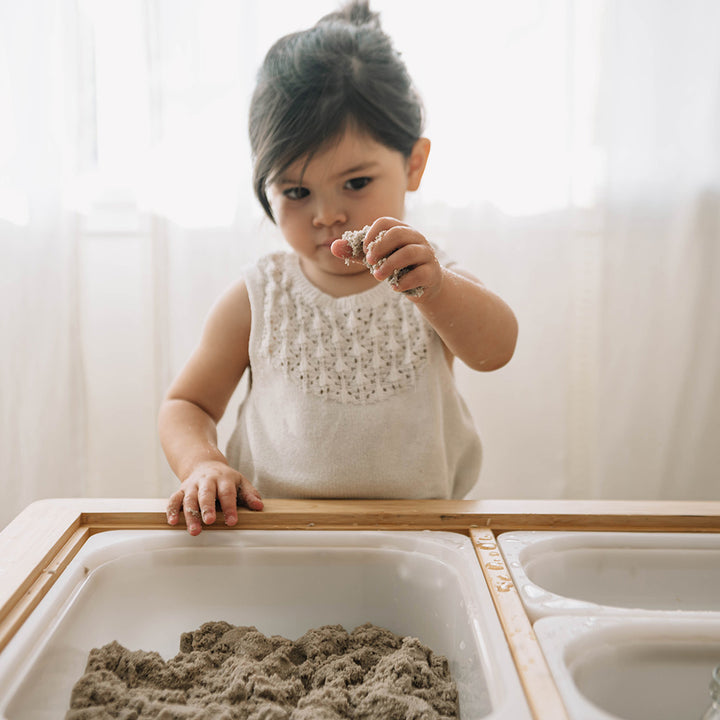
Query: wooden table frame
<point x="40" y="543"/>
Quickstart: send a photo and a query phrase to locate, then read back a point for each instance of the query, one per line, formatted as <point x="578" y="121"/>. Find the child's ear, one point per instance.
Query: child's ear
<point x="416" y="162"/>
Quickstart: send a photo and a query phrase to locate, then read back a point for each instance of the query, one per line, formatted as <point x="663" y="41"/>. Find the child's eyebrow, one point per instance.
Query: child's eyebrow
<point x="285" y="180"/>
<point x="362" y="167"/>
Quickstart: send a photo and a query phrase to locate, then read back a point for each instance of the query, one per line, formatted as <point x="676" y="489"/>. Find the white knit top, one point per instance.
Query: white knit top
<point x="349" y="397"/>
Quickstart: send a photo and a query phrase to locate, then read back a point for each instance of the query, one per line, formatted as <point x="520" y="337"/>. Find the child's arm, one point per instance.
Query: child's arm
<point x="475" y="324"/>
<point x="191" y="410"/>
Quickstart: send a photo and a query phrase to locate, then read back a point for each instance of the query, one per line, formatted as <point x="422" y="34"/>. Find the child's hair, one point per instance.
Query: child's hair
<point x="313" y="84"/>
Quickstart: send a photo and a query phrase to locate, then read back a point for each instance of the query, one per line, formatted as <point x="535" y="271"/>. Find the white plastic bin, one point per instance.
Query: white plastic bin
<point x="144" y="588"/>
<point x="640" y="668"/>
<point x="599" y="573"/>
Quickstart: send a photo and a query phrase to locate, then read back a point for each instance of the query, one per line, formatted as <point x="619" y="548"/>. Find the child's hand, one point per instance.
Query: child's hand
<point x="197" y="494"/>
<point x="397" y="253"/>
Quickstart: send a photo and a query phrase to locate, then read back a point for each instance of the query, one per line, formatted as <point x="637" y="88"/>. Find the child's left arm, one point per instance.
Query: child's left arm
<point x="476" y="325"/>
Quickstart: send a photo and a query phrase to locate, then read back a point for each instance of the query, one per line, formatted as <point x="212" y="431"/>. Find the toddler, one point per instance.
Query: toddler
<point x="351" y="392"/>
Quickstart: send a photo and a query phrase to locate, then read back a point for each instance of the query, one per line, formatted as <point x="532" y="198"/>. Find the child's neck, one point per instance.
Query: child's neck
<point x="338" y="285"/>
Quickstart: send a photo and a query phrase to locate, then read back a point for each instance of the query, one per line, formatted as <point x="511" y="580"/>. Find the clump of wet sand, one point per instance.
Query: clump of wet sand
<point x="228" y="672"/>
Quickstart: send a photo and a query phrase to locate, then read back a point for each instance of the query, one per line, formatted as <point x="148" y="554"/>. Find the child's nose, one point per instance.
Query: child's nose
<point x="328" y="213"/>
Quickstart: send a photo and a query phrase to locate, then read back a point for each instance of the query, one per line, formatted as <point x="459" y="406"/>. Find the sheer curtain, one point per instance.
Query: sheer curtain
<point x="575" y="168"/>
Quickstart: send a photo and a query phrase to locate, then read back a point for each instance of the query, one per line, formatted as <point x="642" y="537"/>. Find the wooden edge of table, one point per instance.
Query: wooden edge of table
<point x="536" y="679"/>
<point x="46" y="521"/>
<point x="40" y="542"/>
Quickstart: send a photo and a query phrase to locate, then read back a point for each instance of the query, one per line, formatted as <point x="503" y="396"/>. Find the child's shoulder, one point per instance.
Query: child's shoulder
<point x="229" y="317"/>
<point x="234" y="297"/>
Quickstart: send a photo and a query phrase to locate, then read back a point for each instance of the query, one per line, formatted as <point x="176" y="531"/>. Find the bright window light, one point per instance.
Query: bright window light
<point x="164" y="88"/>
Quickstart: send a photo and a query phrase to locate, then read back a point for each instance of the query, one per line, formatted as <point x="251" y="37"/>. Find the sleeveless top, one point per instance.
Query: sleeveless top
<point x="348" y="397"/>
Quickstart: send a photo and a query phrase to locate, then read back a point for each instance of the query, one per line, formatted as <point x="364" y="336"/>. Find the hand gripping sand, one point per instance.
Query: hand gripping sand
<point x="355" y="240"/>
<point x="228" y="672"/>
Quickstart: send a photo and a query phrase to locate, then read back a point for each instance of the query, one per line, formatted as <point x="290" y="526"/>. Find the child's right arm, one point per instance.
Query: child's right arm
<point x="191" y="410"/>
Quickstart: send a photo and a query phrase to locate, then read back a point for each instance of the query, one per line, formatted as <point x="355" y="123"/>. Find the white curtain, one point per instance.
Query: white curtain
<point x="575" y="168"/>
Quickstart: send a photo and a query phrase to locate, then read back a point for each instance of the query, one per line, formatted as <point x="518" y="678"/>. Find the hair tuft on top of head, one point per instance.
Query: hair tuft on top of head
<point x="355" y="12"/>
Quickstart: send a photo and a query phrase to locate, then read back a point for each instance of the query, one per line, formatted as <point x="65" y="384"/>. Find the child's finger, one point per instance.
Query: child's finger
<point x="397" y="260"/>
<point x="341" y="248"/>
<point x="249" y="496"/>
<point x="227" y="496"/>
<point x="388" y="241"/>
<point x="191" y="510"/>
<point x="410" y="281"/>
<point x="173" y="507"/>
<point x="207" y="493"/>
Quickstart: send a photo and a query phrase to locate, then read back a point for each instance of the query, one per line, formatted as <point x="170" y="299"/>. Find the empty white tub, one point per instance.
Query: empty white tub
<point x="144" y="588"/>
<point x="640" y="668"/>
<point x="596" y="573"/>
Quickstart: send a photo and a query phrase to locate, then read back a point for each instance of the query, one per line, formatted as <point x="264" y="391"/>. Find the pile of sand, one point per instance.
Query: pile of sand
<point x="224" y="672"/>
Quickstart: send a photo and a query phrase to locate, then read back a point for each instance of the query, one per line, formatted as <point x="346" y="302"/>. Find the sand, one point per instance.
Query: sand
<point x="228" y="672"/>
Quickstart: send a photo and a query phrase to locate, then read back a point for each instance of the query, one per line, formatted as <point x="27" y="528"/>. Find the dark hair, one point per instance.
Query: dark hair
<point x="313" y="83"/>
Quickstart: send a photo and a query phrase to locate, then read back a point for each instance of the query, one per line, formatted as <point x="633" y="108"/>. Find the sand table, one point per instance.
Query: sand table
<point x="225" y="672"/>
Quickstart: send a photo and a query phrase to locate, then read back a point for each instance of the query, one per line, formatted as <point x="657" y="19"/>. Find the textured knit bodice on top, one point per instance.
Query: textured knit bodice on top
<point x="348" y="397"/>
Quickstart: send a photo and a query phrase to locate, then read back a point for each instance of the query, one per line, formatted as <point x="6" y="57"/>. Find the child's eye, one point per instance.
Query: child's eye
<point x="296" y="193"/>
<point x="357" y="183"/>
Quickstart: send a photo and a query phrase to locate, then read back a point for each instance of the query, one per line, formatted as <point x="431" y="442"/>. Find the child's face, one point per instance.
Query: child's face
<point x="346" y="186"/>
